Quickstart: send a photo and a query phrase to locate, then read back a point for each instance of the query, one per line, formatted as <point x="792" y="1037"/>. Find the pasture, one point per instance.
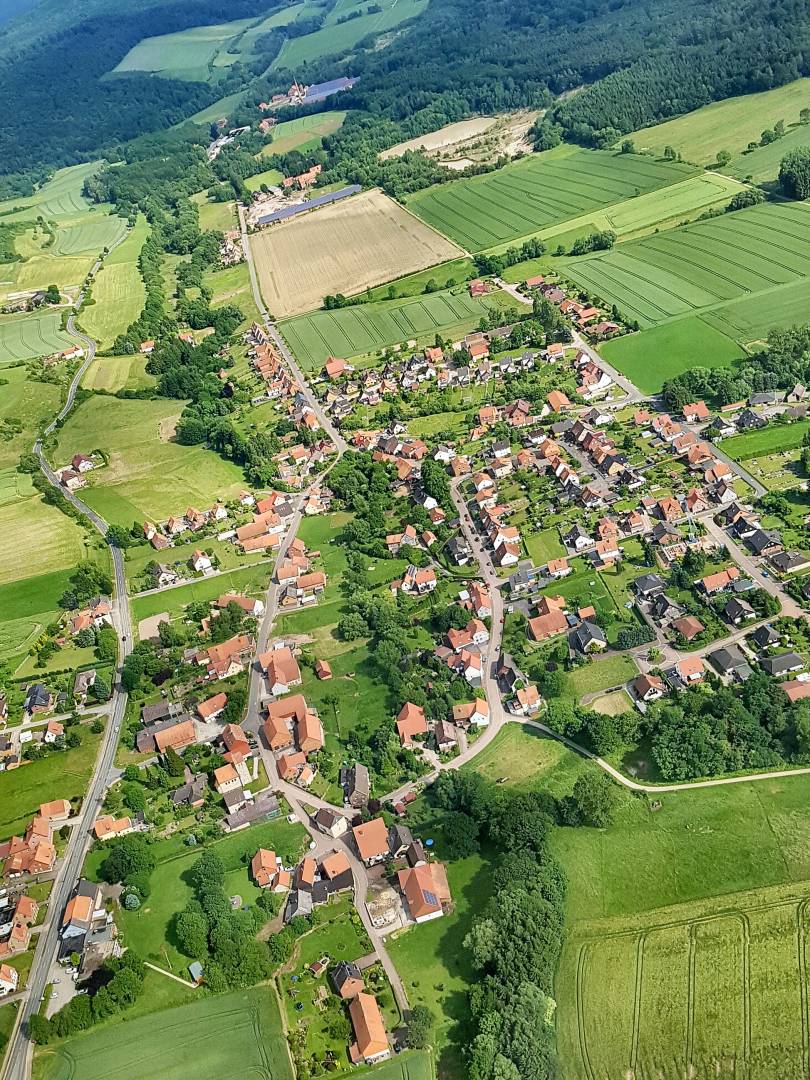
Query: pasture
<point x="148" y="475"/>
<point x="304" y="133"/>
<point x="26" y="607"/>
<point x="118" y="292"/>
<point x="768" y="440"/>
<point x="537" y="192"/>
<point x="30" y="404"/>
<point x="224" y="1037"/>
<point x="692" y="990"/>
<point x="650" y="358"/>
<point x="337" y="37"/>
<point x="36" y="538"/>
<point x="699" y="266"/>
<point x="216" y="216"/>
<point x="25" y="337"/>
<point x="725" y="125"/>
<point x="366" y="328"/>
<point x="345" y="247"/>
<point x="114" y="373"/>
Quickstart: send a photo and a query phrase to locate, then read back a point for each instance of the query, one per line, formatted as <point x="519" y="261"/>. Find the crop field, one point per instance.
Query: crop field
<point x="187" y="54"/>
<point x="149" y="475"/>
<point x="118" y="292"/>
<point x="762" y="164"/>
<point x="60" y="197"/>
<point x="540" y="191"/>
<point x="36" y="538"/>
<point x="114" y="373"/>
<point x="335" y="37"/>
<point x="726" y="125"/>
<point x="223" y="1037"/>
<point x="345" y="247"/>
<point x="354" y="331"/>
<point x="90" y="236"/>
<point x="749" y="318"/>
<point x="650" y="358"/>
<point x="701" y="265"/>
<point x="692" y="990"/>
<point x="23" y="337"/>
<point x="304" y="133"/>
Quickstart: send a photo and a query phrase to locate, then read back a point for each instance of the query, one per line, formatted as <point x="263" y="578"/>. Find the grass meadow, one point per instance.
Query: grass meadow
<point x="346" y="247"/>
<point x="32" y="405"/>
<point x="148" y="475"/>
<point x="366" y="328"/>
<point x="540" y="191"/>
<point x="762" y="164"/>
<point x="118" y="292"/>
<point x="24" y="337"/>
<point x="227" y="1037"/>
<point x="304" y="133"/>
<point x="61" y="197"/>
<point x="768" y="440"/>
<point x="36" y="538"/>
<point x="215" y="216"/>
<point x="651" y="357"/>
<point x="726" y="125"/>
<point x="701" y="265"/>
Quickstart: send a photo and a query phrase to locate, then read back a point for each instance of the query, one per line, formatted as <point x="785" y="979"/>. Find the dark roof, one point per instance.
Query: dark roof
<point x="586" y="633"/>
<point x="345" y="971"/>
<point x="778" y="665"/>
<point x="309" y="204"/>
<point x="37" y="694"/>
<point x="649" y="584"/>
<point x="727" y="659"/>
<point x="765" y="635"/>
<point x="150" y="714"/>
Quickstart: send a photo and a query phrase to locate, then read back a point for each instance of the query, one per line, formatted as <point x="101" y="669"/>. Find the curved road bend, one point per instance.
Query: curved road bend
<point x="19" y="1050"/>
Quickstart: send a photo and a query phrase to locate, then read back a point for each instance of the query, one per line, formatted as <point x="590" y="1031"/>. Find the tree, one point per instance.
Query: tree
<point x="420" y="1028"/>
<point x="794" y="173"/>
<point x="97" y="727"/>
<point x="723" y="158"/>
<point x="593" y="800"/>
<point x="173" y="763"/>
<point x="461" y="833"/>
<point x="208" y="872"/>
<point x="669" y="153"/>
<point x="191" y="931"/>
<point x="52" y="295"/>
<point x="119" y="537"/>
<point x="127" y="856"/>
<point x="628" y="146"/>
<point x="132" y="901"/>
<point x="804" y="116"/>
<point x="352" y="626"/>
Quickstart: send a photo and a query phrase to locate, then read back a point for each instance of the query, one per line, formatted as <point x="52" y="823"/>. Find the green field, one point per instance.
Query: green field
<point x="60" y="197"/>
<point x="544" y="545"/>
<point x="445" y="275"/>
<point x="228" y="1037"/>
<point x="252" y="579"/>
<point x="272" y="178"/>
<point x="650" y="358"/>
<point x="750" y="318"/>
<point x="62" y="775"/>
<point x="216" y="216"/>
<point x="28" y="605"/>
<point x="762" y="164"/>
<point x="188" y="54"/>
<point x="304" y="133"/>
<point x="36" y="538"/>
<point x="24" y="337"/>
<point x="118" y="293"/>
<point x="149" y="475"/>
<point x="726" y="125"/>
<point x="31" y="404"/>
<point x="90" y="236"/>
<point x="366" y="328"/>
<point x="768" y="440"/>
<point x="114" y="373"/>
<point x="540" y="191"/>
<point x="334" y="37"/>
<point x="701" y="265"/>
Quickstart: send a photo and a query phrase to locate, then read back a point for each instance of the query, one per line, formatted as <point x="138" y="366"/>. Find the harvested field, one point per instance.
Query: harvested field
<point x="537" y="192"/>
<point x="701" y="265"/>
<point x="345" y="247"/>
<point x="449" y="135"/>
<point x="366" y="328"/>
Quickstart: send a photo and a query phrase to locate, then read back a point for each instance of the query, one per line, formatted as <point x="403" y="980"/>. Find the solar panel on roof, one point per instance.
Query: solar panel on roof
<point x="310" y="204"/>
<point x="431" y="897"/>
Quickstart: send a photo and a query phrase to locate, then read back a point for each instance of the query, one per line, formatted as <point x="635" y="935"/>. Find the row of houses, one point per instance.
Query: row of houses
<point x="34" y="852"/>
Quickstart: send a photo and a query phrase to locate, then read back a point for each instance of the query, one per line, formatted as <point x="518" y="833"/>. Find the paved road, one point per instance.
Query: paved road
<point x="751" y="567"/>
<point x="740" y="470"/>
<point x="18" y="1052"/>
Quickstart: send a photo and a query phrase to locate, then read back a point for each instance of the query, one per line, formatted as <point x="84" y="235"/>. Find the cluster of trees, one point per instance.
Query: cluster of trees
<point x="783" y="363"/>
<point x="794" y="173"/>
<point x="496" y="264"/>
<point x="129" y="862"/>
<point x="120" y="981"/>
<point x="87" y="581"/>
<point x="602" y="240"/>
<point x="211" y="930"/>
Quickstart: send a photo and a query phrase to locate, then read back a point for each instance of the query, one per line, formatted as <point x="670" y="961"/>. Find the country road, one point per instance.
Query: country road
<point x="17" y="1062"/>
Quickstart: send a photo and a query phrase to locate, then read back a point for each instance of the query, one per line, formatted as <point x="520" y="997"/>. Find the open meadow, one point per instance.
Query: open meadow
<point x="187" y="54"/>
<point x="768" y="440"/>
<point x="36" y="538"/>
<point x="61" y="197"/>
<point x="726" y="125"/>
<point x="366" y="328"/>
<point x="149" y="475"/>
<point x="227" y="1037"/>
<point x="345" y="247"/>
<point x="118" y="292"/>
<point x="701" y="265"/>
<point x="24" y="337"/>
<point x="30" y="405"/>
<point x="304" y="133"/>
<point x="537" y="192"/>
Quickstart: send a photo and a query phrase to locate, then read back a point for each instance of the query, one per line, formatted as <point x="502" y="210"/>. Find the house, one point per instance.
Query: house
<point x="8" y="979"/>
<point x="782" y="664"/>
<point x="264" y="868"/>
<point x="715" y="583"/>
<point x="419" y="891"/>
<point x="336" y="872"/>
<point x="84" y="911"/>
<point x="56" y="811"/>
<point x="795" y="690"/>
<point x="527" y="701"/>
<point x="765" y="636"/>
<point x="548" y="625"/>
<point x="399" y="840"/>
<point x="411" y="721"/>
<point x="696" y="412"/>
<point x="577" y="538"/>
<point x="192" y="792"/>
<point x="201" y="563"/>
<point x="688" y="627"/>
<point x="371" y="840"/>
<point x="227" y="658"/>
<point x="358" y="786"/>
<point x="558" y="401"/>
<point x="53" y="731"/>
<point x="764" y="542"/>
<point x="281" y="670"/>
<point x="177" y="734"/>
<point x="648" y="687"/>
<point x="371" y="1039"/>
<point x="558" y="568"/>
<point x="687" y="671"/>
<point x="322" y="670"/>
<point x="331" y="823"/>
<point x="309" y="732"/>
<point x="662" y="608"/>
<point x="212" y="707"/>
<point x="226" y="778"/>
<point x="107" y="827"/>
<point x="648" y="586"/>
<point x="587" y="638"/>
<point x="347" y="980"/>
<point x="731" y="661"/>
<point x="246" y="603"/>
<point x="474" y="712"/>
<point x="789" y="562"/>
<point x="38" y="699"/>
<point x="738" y="611"/>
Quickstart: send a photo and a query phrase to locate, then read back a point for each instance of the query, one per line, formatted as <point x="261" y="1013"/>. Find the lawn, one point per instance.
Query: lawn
<point x="600" y="675"/>
<point x="367" y="328"/>
<point x="444" y="276"/>
<point x="8" y="1017"/>
<point x="271" y="178"/>
<point x="60" y="775"/>
<point x="767" y="440"/>
<point x="149" y="930"/>
<point x="345" y="247"/>
<point x="701" y="265"/>
<point x="304" y="133"/>
<point x="25" y="337"/>
<point x="149" y="475"/>
<point x="651" y="357"/>
<point x="544" y="545"/>
<point x="232" y="286"/>
<point x="537" y="192"/>
<point x="334" y="37"/>
<point x="252" y="580"/>
<point x="726" y="125"/>
<point x="216" y="216"/>
<point x="227" y="1037"/>
<point x="118" y="292"/>
<point x="527" y="758"/>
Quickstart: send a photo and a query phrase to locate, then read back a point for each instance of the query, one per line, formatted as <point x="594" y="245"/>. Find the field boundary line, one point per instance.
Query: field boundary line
<point x="170" y="975"/>
<point x="642" y="941"/>
<point x="580" y="983"/>
<point x="802" y="961"/>
<point x="690" y="998"/>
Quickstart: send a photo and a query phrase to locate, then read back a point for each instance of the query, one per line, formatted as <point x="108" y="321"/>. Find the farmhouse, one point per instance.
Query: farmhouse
<point x="371" y="1039"/>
